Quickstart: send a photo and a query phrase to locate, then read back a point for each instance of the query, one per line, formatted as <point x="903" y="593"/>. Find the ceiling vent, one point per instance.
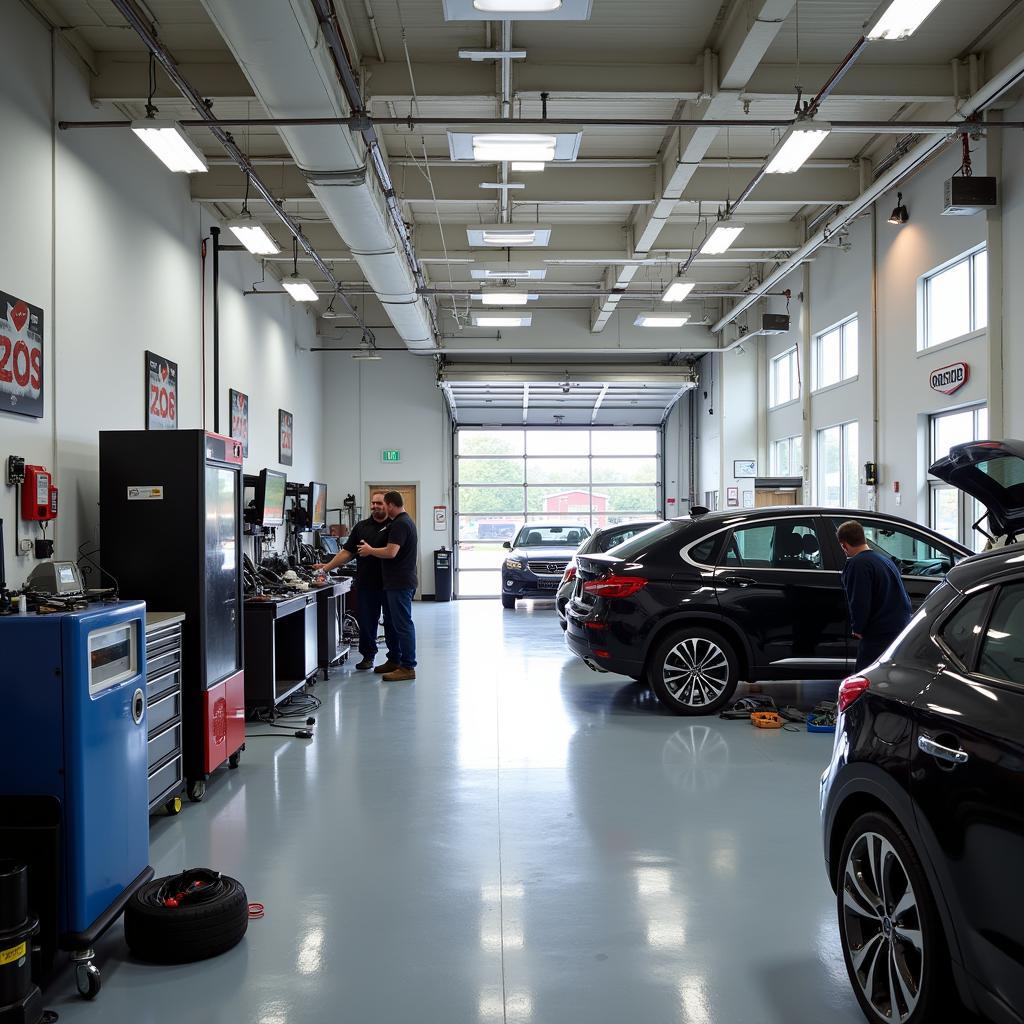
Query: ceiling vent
<point x="966" y="196"/>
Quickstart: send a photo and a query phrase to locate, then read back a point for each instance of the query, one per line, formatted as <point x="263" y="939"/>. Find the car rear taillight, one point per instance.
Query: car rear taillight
<point x="569" y="574"/>
<point x="850" y="689"/>
<point x="615" y="586"/>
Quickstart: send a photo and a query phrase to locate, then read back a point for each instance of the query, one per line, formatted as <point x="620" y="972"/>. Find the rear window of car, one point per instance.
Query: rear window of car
<point x="652" y="538"/>
<point x="961" y="630"/>
<point x="551" y="536"/>
<point x="613" y="538"/>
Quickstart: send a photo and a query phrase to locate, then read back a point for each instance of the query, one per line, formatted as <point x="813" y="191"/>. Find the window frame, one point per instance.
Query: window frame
<point x="843" y="442"/>
<point x="846" y="375"/>
<point x="790" y="442"/>
<point x="872" y="521"/>
<point x="969" y="257"/>
<point x="790" y="355"/>
<point x="968" y="509"/>
<point x="815" y="523"/>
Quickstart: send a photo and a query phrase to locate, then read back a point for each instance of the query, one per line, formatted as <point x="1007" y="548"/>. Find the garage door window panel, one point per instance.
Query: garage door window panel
<point x="625" y="471"/>
<point x="558" y="471"/>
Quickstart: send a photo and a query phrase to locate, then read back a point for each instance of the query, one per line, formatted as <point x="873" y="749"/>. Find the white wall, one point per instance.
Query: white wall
<point x="109" y="246"/>
<point x="393" y="403"/>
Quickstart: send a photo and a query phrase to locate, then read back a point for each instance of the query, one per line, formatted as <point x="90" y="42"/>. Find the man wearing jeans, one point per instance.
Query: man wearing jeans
<point x="398" y="569"/>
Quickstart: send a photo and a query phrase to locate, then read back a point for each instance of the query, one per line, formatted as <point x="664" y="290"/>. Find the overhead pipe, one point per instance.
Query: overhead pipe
<point x="292" y="54"/>
<point x="215" y="233"/>
<point x="139" y="21"/>
<point x="1010" y="76"/>
<point x="587" y="293"/>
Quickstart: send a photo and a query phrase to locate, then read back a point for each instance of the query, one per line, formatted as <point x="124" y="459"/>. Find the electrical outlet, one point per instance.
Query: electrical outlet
<point x="26" y="547"/>
<point x="15" y="470"/>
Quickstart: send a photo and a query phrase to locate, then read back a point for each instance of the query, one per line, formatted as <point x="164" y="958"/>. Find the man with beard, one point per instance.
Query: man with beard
<point x="369" y="581"/>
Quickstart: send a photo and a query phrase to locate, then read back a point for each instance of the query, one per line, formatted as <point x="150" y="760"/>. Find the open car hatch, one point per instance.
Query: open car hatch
<point x="992" y="472"/>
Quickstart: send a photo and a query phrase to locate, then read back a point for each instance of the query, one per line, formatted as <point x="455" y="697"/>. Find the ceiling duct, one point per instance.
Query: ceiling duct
<point x="277" y="45"/>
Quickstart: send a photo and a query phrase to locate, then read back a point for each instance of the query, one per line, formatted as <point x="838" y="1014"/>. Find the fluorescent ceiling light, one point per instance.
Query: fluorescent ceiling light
<point x="897" y="19"/>
<point x="370" y="355"/>
<point x="504" y="236"/>
<point x="799" y="142"/>
<point x="677" y="291"/>
<point x="661" y="319"/>
<point x="502" y="272"/>
<point x="299" y="288"/>
<point x="497" y="298"/>
<point x="254" y="236"/>
<point x="502" y="320"/>
<point x="528" y="165"/>
<point x="168" y="140"/>
<point x="510" y="7"/>
<point x="521" y="10"/>
<point x="517" y="147"/>
<point x="721" y="238"/>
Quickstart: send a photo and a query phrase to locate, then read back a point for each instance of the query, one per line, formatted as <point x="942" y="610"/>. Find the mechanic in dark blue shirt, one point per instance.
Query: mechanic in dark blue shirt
<point x="879" y="605"/>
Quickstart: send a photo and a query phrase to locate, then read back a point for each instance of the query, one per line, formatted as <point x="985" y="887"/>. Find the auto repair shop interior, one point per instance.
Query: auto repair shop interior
<point x="632" y="303"/>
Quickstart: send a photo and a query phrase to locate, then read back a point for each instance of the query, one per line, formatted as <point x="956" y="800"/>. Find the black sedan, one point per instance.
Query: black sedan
<point x="697" y="604"/>
<point x="537" y="559"/>
<point x="923" y="806"/>
<point x="600" y="541"/>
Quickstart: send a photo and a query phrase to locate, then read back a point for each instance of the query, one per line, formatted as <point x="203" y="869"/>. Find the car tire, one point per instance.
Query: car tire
<point x="878" y="942"/>
<point x="507" y="601"/>
<point x="693" y="672"/>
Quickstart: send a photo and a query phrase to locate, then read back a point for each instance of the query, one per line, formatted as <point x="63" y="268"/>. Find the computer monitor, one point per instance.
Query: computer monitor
<point x="330" y="545"/>
<point x="270" y="497"/>
<point x="317" y="506"/>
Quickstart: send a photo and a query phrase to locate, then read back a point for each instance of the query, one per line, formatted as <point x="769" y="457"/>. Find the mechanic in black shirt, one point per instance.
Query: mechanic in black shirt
<point x="879" y="606"/>
<point x="369" y="582"/>
<point x="398" y="566"/>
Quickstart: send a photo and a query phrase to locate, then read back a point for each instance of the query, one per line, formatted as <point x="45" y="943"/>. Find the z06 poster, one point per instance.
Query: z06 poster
<point x="161" y="393"/>
<point x="286" y="437"/>
<point x="240" y="419"/>
<point x="21" y="357"/>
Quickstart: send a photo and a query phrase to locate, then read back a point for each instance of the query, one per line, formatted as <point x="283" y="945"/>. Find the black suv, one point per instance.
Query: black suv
<point x="699" y="603"/>
<point x="921" y="803"/>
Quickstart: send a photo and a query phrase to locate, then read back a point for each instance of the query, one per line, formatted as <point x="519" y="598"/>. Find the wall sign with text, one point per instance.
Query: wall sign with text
<point x="161" y="393"/>
<point x="285" y="437"/>
<point x="949" y="379"/>
<point x="21" y="357"/>
<point x="239" y="404"/>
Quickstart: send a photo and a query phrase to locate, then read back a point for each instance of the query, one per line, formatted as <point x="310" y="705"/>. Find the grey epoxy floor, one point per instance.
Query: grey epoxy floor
<point x="509" y="839"/>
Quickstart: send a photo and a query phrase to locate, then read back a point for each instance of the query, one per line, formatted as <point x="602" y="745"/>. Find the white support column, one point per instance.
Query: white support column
<point x="994" y="244"/>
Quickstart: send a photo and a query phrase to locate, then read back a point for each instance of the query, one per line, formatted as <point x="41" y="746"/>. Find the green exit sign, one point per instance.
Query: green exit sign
<point x="390" y="455"/>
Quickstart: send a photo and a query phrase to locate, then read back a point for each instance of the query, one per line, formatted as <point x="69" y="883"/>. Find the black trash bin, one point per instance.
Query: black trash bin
<point x="442" y="575"/>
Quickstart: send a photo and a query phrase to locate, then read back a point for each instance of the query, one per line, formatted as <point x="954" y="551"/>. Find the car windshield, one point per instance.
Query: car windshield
<point x="636" y="546"/>
<point x="540" y="536"/>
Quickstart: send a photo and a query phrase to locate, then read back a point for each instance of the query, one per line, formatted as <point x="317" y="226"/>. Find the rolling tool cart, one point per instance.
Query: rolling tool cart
<point x="73" y="794"/>
<point x="171" y="534"/>
<point x="163" y="695"/>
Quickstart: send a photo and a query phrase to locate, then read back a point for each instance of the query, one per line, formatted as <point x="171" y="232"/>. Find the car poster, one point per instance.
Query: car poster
<point x="240" y="419"/>
<point x="161" y="393"/>
<point x="21" y="357"/>
<point x="286" y="437"/>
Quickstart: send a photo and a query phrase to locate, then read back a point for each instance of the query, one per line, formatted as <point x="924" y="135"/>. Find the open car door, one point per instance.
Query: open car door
<point x="992" y="472"/>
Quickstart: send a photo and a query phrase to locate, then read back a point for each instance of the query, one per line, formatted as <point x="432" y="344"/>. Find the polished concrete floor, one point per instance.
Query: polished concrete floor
<point x="511" y="838"/>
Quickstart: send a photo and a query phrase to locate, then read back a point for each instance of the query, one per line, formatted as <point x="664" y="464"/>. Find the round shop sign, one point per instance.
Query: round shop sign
<point x="948" y="379"/>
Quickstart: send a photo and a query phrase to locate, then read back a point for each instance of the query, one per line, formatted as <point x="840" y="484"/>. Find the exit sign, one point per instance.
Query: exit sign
<point x="390" y="455"/>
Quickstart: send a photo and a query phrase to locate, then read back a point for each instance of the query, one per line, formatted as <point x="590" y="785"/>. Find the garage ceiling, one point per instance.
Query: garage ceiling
<point x="625" y="214"/>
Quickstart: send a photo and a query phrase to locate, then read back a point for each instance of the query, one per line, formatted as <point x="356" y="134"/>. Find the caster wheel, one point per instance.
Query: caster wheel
<point x="174" y="805"/>
<point x="87" y="978"/>
<point x="197" y="790"/>
<point x="235" y="759"/>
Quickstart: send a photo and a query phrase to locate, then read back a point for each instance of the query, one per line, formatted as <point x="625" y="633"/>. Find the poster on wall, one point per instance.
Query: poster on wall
<point x="161" y="393"/>
<point x="732" y="497"/>
<point x="285" y="437"/>
<point x="240" y="419"/>
<point x="21" y="357"/>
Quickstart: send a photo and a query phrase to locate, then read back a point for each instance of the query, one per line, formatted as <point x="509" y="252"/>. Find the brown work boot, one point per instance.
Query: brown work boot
<point x="388" y="666"/>
<point x="400" y="675"/>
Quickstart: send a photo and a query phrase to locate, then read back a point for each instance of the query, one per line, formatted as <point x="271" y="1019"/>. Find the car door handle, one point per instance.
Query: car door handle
<point x="929" y="746"/>
<point x="739" y="581"/>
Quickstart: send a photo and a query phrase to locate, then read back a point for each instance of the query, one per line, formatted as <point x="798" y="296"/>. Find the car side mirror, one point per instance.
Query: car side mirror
<point x="507" y="544"/>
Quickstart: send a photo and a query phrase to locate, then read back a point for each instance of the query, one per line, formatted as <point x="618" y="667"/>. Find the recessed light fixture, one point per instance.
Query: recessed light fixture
<point x="253" y="235"/>
<point x="167" y="139"/>
<point x="299" y="288"/>
<point x="721" y="238"/>
<point x="796" y="146"/>
<point x="528" y="166"/>
<point x="897" y="19"/>
<point x="661" y="319"/>
<point x="504" y="272"/>
<point x="517" y="147"/>
<point x="508" y="236"/>
<point x="502" y="320"/>
<point x="677" y="291"/>
<point x="504" y="298"/>
<point x="521" y="10"/>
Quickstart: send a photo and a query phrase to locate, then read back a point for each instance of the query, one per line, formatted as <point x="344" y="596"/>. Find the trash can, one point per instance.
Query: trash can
<point x="442" y="575"/>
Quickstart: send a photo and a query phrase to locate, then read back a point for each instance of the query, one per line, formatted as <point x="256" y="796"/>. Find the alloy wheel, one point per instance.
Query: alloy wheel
<point x="882" y="928"/>
<point x="696" y="671"/>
